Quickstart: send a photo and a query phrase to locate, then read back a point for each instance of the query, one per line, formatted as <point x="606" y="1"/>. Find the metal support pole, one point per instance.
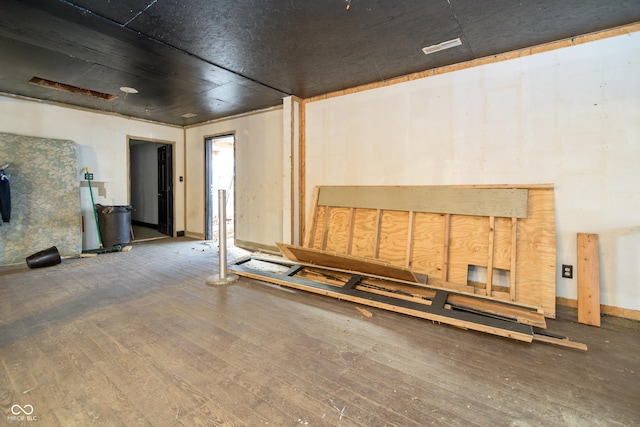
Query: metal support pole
<point x="222" y="233"/>
<point x="222" y="277"/>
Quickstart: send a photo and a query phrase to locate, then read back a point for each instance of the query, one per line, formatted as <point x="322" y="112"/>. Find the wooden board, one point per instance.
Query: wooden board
<point x="409" y="290"/>
<point x="349" y="263"/>
<point x="388" y="224"/>
<point x="501" y="327"/>
<point x="588" y="279"/>
<point x="502" y="202"/>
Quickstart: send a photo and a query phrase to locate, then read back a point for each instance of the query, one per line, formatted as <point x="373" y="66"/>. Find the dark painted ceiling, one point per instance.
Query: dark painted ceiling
<point x="216" y="58"/>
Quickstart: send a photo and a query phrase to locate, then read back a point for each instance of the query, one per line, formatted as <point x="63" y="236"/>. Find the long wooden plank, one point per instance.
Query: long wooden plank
<point x="588" y="279"/>
<point x="564" y="342"/>
<point x="352" y="220"/>
<point x="310" y="230"/>
<point x="379" y="301"/>
<point x="460" y="298"/>
<point x="465" y="302"/>
<point x="499" y="202"/>
<point x="409" y="254"/>
<point x="512" y="273"/>
<point x="492" y="229"/>
<point x="445" y="247"/>
<point x="325" y="233"/>
<point x="347" y="262"/>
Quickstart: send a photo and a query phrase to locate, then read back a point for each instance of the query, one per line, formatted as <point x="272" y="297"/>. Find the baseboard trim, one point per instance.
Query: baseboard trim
<point x="252" y="246"/>
<point x="625" y="313"/>
<point x="199" y="236"/>
<point x="144" y="224"/>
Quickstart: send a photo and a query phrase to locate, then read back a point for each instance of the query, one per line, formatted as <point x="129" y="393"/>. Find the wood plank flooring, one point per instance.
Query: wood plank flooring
<point x="138" y="339"/>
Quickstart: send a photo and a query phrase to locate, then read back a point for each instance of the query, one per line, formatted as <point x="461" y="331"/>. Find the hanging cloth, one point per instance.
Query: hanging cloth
<point x="5" y="197"/>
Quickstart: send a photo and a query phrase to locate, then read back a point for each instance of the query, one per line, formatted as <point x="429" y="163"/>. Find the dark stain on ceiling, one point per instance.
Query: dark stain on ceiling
<point x="216" y="58"/>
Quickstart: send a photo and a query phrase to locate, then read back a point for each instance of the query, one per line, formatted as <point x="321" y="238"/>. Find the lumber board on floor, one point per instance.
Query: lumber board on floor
<point x="512" y="330"/>
<point x="466" y="311"/>
<point x="414" y="291"/>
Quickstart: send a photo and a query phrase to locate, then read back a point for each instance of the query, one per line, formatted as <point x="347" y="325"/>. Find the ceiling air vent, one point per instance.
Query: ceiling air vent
<point x="441" y="46"/>
<point x="72" y="89"/>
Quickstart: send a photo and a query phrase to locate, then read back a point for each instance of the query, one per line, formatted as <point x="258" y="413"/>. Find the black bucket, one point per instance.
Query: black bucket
<point x="45" y="258"/>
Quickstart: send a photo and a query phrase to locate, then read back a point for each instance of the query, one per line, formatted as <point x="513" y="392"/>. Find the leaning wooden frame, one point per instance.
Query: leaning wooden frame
<point x="411" y="250"/>
<point x="503" y="234"/>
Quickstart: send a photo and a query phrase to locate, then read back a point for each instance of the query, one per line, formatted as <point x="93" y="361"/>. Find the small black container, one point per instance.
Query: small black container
<point x="45" y="258"/>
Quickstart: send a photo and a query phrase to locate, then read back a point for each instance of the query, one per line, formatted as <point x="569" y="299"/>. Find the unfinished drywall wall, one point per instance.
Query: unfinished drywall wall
<point x="570" y="117"/>
<point x="258" y="176"/>
<point x="102" y="144"/>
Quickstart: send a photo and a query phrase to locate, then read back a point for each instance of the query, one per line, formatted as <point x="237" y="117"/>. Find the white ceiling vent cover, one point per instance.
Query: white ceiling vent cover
<point x="441" y="46"/>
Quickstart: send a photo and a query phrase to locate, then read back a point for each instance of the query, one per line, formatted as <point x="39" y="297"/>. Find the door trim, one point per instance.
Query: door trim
<point x="173" y="145"/>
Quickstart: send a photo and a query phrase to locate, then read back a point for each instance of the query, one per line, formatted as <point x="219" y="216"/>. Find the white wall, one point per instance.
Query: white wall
<point x="569" y="117"/>
<point x="102" y="146"/>
<point x="258" y="176"/>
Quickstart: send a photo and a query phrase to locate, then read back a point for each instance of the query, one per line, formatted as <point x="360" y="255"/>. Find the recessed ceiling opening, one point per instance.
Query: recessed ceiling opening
<point x="71" y="89"/>
<point x="441" y="46"/>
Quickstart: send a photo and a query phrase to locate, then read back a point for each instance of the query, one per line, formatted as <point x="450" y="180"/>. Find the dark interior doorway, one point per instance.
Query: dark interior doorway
<point x="220" y="175"/>
<point x="165" y="190"/>
<point x="151" y="189"/>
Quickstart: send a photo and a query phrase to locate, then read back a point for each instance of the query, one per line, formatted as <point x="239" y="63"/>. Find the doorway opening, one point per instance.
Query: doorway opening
<point x="220" y="175"/>
<point x="151" y="189"/>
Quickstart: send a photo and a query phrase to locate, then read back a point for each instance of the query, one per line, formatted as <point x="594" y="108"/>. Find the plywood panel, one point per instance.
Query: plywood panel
<point x="536" y="253"/>
<point x="394" y="228"/>
<point x="317" y="231"/>
<point x="338" y="231"/>
<point x="364" y="233"/>
<point x="445" y="245"/>
<point x="468" y="245"/>
<point x="502" y="244"/>
<point x="428" y="237"/>
<point x="503" y="202"/>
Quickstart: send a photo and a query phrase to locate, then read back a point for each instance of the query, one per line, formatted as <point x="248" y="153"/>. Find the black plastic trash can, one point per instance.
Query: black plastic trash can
<point x="115" y="224"/>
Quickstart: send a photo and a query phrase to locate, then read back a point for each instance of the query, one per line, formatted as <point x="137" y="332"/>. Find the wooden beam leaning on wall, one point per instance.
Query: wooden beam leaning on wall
<point x="588" y="279"/>
<point x="348" y="263"/>
<point x="502" y="202"/>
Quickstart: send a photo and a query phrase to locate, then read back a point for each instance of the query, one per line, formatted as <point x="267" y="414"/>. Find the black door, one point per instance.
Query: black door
<point x="165" y="192"/>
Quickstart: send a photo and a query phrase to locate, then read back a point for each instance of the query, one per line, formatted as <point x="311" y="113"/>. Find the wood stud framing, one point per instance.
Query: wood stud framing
<point x="505" y="235"/>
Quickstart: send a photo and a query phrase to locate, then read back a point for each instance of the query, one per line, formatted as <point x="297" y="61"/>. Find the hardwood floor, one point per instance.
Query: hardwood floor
<point x="137" y="338"/>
